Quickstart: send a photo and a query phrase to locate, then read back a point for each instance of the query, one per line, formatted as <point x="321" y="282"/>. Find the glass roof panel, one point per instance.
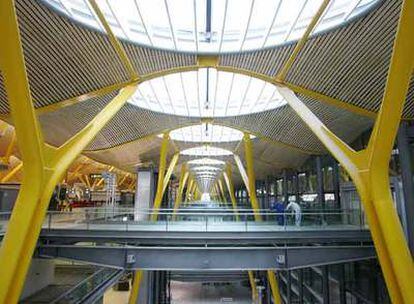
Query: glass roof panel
<point x="211" y="26"/>
<point x="207" y="93"/>
<point x="206" y="151"/>
<point x="206" y="133"/>
<point x="206" y="161"/>
<point x="205" y="168"/>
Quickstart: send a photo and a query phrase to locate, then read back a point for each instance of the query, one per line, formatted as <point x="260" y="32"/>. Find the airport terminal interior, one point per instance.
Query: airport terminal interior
<point x="206" y="151"/>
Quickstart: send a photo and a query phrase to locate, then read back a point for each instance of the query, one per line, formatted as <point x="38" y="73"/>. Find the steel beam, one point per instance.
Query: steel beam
<point x="208" y="258"/>
<point x="156" y="237"/>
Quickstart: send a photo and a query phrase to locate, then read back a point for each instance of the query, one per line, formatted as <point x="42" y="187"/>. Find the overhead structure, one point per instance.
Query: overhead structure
<point x="81" y="89"/>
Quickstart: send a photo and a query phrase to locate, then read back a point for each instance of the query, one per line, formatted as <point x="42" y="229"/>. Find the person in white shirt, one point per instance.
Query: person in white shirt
<point x="295" y="208"/>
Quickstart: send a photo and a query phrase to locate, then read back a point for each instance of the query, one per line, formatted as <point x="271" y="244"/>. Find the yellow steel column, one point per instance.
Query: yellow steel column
<point x="368" y="168"/>
<point x="157" y="203"/>
<point x="190" y="186"/>
<point x="170" y="170"/>
<point x="181" y="184"/>
<point x="45" y="165"/>
<point x="251" y="185"/>
<point x="12" y="173"/>
<point x="161" y="172"/>
<point x="133" y="297"/>
<point x="228" y="178"/>
<point x="253" y="285"/>
<point x="221" y="188"/>
<point x="302" y="41"/>
<point x="251" y="177"/>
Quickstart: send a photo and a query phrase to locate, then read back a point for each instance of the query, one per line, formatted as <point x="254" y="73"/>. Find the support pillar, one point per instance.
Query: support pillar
<point x="144" y="193"/>
<point x="325" y="284"/>
<point x="342" y="286"/>
<point x="319" y="177"/>
<point x="285" y="187"/>
<point x="336" y="183"/>
<point x="300" y="285"/>
<point x="249" y="180"/>
<point x="369" y="168"/>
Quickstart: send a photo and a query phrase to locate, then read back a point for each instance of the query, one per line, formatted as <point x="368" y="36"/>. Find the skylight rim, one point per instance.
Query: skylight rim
<point x="372" y="7"/>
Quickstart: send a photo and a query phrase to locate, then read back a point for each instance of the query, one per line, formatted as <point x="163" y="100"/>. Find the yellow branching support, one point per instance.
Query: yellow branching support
<point x="12" y="173"/>
<point x="45" y="165"/>
<point x="301" y="43"/>
<point x="161" y="171"/>
<point x="368" y="168"/>
<point x="114" y="41"/>
<point x="181" y="184"/>
<point x="170" y="170"/>
<point x="228" y="178"/>
<point x="250" y="182"/>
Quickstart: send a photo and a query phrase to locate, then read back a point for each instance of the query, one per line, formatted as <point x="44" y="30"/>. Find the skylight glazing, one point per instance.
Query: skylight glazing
<point x="211" y="26"/>
<point x="207" y="93"/>
<point x="206" y="168"/>
<point x="206" y="151"/>
<point x="206" y="161"/>
<point x="206" y="133"/>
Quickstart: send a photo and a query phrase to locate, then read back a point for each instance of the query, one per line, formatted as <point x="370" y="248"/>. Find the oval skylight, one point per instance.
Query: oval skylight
<point x="206" y="161"/>
<point x="206" y="151"/>
<point x="206" y="133"/>
<point x="211" y="26"/>
<point x="207" y="93"/>
<point x="205" y="168"/>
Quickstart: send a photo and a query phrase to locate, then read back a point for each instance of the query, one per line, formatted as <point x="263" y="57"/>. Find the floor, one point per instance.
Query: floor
<point x="116" y="297"/>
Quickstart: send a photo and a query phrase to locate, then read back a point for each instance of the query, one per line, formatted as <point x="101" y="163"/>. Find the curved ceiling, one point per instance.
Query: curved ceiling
<point x="65" y="60"/>
<point x="207" y="93"/>
<point x="211" y="26"/>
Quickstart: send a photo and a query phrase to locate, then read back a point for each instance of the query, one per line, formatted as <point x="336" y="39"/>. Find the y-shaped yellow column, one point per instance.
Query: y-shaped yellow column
<point x="368" y="168"/>
<point x="43" y="166"/>
<point x="251" y="185"/>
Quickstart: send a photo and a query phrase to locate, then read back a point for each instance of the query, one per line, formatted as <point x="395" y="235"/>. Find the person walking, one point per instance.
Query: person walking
<point x="295" y="208"/>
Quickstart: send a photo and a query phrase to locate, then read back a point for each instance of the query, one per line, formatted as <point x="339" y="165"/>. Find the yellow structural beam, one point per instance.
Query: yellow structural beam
<point x="368" y="168"/>
<point x="189" y="188"/>
<point x="251" y="176"/>
<point x="181" y="184"/>
<point x="253" y="286"/>
<point x="228" y="178"/>
<point x="221" y="188"/>
<point x="12" y="173"/>
<point x="251" y="186"/>
<point x="162" y="180"/>
<point x="114" y="41"/>
<point x="301" y="43"/>
<point x="170" y="170"/>
<point x="136" y="284"/>
<point x="81" y="98"/>
<point x="161" y="172"/>
<point x="46" y="166"/>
